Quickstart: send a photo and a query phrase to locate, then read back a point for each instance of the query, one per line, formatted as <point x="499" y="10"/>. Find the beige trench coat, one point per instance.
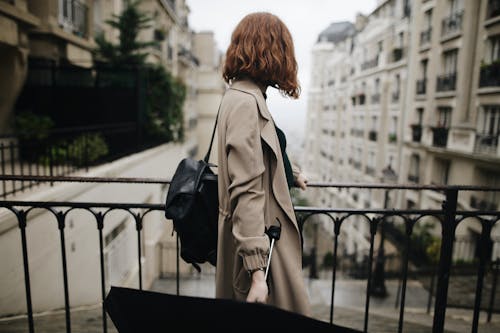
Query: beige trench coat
<point x="253" y="194"/>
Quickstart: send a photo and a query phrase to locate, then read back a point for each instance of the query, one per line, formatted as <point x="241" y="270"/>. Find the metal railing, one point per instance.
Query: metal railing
<point x="425" y="36"/>
<point x="446" y="82"/>
<point x="452" y="24"/>
<point x="493" y="8"/>
<point x="490" y="75"/>
<point x="370" y="63"/>
<point x="421" y="86"/>
<point x="62" y="152"/>
<point x="449" y="217"/>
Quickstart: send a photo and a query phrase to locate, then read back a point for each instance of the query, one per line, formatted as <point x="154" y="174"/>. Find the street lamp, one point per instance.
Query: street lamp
<point x="378" y="283"/>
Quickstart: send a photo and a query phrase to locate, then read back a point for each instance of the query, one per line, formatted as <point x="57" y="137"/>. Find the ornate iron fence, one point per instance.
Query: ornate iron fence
<point x="448" y="216"/>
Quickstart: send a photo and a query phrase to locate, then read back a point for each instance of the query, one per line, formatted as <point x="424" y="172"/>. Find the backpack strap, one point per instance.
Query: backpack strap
<point x="207" y="156"/>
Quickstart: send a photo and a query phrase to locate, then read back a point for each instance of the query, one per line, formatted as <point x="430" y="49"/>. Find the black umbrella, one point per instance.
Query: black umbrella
<point x="134" y="311"/>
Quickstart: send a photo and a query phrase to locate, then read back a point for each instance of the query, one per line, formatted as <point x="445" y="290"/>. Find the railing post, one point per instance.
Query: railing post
<point x="2" y="158"/>
<point x="21" y="216"/>
<point x="61" y="225"/>
<point x="138" y="227"/>
<point x="100" y="226"/>
<point x="494" y="267"/>
<point x="448" y="235"/>
<point x="483" y="258"/>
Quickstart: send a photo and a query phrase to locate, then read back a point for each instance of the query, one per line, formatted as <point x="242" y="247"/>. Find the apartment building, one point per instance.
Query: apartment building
<point x="453" y="106"/>
<point x="355" y="111"/>
<point x="412" y="94"/>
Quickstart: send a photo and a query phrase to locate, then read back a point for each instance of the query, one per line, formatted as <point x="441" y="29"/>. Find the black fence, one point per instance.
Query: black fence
<point x="449" y="217"/>
<point x="64" y="151"/>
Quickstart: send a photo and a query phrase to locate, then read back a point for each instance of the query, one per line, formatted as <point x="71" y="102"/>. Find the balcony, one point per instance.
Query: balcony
<point x="486" y="143"/>
<point x="452" y="24"/>
<point x="421" y="87"/>
<point x="376" y="98"/>
<point x="416" y="132"/>
<point x="439" y="136"/>
<point x="392" y="137"/>
<point x="425" y="36"/>
<point x="410" y="252"/>
<point x="493" y="9"/>
<point x="397" y="54"/>
<point x="370" y="64"/>
<point x="490" y="75"/>
<point x="395" y="97"/>
<point x="413" y="179"/>
<point x="446" y="82"/>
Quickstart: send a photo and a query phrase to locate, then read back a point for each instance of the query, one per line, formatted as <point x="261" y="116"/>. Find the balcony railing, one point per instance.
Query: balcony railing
<point x="452" y="24"/>
<point x="425" y="36"/>
<point x="448" y="217"/>
<point x="376" y="98"/>
<point x="486" y="143"/>
<point x="397" y="54"/>
<point x="395" y="96"/>
<point x="370" y="64"/>
<point x="490" y="75"/>
<point x="446" y="82"/>
<point x="439" y="136"/>
<point x="421" y="86"/>
<point x="493" y="8"/>
<point x="64" y="151"/>
<point x="413" y="179"/>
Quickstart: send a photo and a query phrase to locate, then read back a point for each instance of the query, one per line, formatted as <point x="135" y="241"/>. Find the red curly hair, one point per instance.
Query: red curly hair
<point x="262" y="49"/>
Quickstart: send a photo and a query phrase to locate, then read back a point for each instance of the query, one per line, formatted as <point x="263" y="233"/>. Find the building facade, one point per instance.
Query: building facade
<point x="61" y="32"/>
<point x="413" y="91"/>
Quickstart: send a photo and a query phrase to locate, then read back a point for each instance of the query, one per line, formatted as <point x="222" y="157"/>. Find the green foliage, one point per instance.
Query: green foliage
<point x="30" y="126"/>
<point x="129" y="50"/>
<point x="85" y="148"/>
<point x="327" y="260"/>
<point x="424" y="243"/>
<point x="165" y="96"/>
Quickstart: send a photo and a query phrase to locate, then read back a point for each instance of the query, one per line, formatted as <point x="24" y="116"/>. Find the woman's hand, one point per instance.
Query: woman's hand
<point x="259" y="289"/>
<point x="301" y="181"/>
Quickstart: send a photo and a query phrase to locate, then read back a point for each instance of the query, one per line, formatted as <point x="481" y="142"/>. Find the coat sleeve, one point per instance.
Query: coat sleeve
<point x="245" y="163"/>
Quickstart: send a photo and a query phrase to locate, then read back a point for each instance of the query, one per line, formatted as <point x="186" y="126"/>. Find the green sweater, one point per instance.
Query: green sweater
<point x="286" y="161"/>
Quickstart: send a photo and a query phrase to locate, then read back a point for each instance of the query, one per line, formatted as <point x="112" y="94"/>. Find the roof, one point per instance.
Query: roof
<point x="337" y="32"/>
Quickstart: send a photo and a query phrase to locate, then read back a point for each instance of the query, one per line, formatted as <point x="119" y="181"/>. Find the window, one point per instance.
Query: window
<point x="423" y="68"/>
<point x="494" y="53"/>
<point x="414" y="172"/>
<point x="425" y="34"/>
<point x="420" y="115"/>
<point x="443" y="116"/>
<point x="450" y="59"/>
<point x="441" y="172"/>
<point x="488" y="131"/>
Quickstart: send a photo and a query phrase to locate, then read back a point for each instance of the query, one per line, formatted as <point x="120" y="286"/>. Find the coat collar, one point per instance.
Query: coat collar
<point x="269" y="136"/>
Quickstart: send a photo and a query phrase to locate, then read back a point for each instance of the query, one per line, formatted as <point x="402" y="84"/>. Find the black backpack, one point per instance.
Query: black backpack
<point x="192" y="204"/>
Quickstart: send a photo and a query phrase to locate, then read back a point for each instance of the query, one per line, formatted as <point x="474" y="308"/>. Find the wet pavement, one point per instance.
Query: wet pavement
<point x="349" y="309"/>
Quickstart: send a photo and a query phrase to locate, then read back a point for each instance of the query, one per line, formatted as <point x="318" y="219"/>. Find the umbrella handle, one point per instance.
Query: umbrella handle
<point x="274" y="232"/>
<point x="269" y="260"/>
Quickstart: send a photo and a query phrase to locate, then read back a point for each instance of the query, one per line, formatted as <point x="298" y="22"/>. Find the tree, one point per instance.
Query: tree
<point x="165" y="94"/>
<point x="129" y="51"/>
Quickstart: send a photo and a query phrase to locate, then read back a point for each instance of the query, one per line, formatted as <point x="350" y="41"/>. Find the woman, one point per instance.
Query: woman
<point x="253" y="168"/>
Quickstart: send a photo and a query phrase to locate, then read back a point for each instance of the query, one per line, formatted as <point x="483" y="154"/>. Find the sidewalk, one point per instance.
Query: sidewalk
<point x="348" y="310"/>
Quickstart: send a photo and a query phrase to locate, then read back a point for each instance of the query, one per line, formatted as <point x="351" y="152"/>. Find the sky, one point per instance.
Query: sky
<point x="304" y="19"/>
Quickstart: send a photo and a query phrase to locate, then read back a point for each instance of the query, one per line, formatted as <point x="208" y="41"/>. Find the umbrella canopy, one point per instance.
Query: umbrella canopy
<point x="133" y="311"/>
